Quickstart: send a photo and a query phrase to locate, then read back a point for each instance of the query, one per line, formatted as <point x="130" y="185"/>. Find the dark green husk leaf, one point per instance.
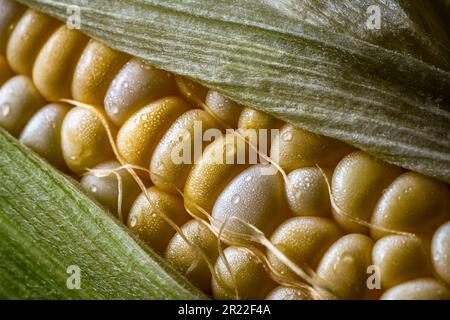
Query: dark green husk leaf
<point x="386" y="91"/>
<point x="47" y="224"/>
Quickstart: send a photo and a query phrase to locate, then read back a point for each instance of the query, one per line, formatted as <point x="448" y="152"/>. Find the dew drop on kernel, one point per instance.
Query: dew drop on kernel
<point x="236" y="199"/>
<point x="345" y="259"/>
<point x="133" y="221"/>
<point x="6" y="109"/>
<point x="114" y="110"/>
<point x="94" y="189"/>
<point x="287" y="136"/>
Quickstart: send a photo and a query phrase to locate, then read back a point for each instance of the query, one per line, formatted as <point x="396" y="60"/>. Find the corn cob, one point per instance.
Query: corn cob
<point x="318" y="225"/>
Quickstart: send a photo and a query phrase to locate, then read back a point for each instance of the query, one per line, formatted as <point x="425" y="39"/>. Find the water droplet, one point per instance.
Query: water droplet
<point x="287" y="136"/>
<point x="73" y="157"/>
<point x="6" y="109"/>
<point x="248" y="178"/>
<point x="94" y="189"/>
<point x="236" y="199"/>
<point x="126" y="85"/>
<point x="133" y="221"/>
<point x="345" y="259"/>
<point x="160" y="166"/>
<point x="144" y="117"/>
<point x="437" y="256"/>
<point x="114" y="110"/>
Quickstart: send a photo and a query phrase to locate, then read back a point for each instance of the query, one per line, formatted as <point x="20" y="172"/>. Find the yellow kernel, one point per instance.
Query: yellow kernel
<point x="192" y="91"/>
<point x="254" y="197"/>
<point x="304" y="240"/>
<point x="147" y="219"/>
<point x="248" y="276"/>
<point x="56" y="62"/>
<point x="177" y="151"/>
<point x="10" y="12"/>
<point x="141" y="133"/>
<point x="19" y="100"/>
<point x="401" y="258"/>
<point x="307" y="192"/>
<point x="31" y="32"/>
<point x="343" y="268"/>
<point x="412" y="203"/>
<point x="358" y="182"/>
<point x="418" y="289"/>
<point x="96" y="69"/>
<point x="42" y="133"/>
<point x="84" y="140"/>
<point x="189" y="260"/>
<point x="440" y="252"/>
<point x="254" y="119"/>
<point x="103" y="185"/>
<point x="136" y="85"/>
<point x="255" y="124"/>
<point x="213" y="172"/>
<point x="223" y="108"/>
<point x="297" y="148"/>
<point x="5" y="70"/>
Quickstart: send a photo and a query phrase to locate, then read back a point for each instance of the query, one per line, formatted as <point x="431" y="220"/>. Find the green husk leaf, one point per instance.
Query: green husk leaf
<point x="386" y="91"/>
<point x="409" y="27"/>
<point x="47" y="224"/>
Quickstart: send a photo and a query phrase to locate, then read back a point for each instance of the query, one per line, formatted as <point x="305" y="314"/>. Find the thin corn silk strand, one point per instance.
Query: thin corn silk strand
<point x="101" y="173"/>
<point x="304" y="272"/>
<point x="184" y="88"/>
<point x="243" y="239"/>
<point x="199" y="251"/>
<point x="357" y="220"/>
<point x="249" y="239"/>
